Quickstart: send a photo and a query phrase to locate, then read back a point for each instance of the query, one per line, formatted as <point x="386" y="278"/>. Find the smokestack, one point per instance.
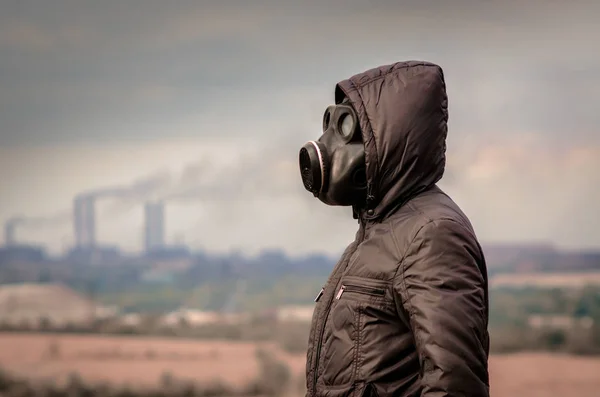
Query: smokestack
<point x="10" y="238"/>
<point x="84" y="221"/>
<point x="154" y="226"/>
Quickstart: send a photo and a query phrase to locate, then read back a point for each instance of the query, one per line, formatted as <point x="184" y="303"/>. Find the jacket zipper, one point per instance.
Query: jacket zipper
<point x="318" y="297"/>
<point x="360" y="289"/>
<point x="327" y="310"/>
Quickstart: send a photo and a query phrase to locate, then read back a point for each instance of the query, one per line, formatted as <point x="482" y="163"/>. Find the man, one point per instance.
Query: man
<point x="405" y="310"/>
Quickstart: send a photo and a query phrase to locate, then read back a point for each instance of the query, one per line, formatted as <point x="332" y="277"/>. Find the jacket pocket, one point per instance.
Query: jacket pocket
<point x="340" y="343"/>
<point x="356" y="389"/>
<point x="356" y="303"/>
<point x="359" y="289"/>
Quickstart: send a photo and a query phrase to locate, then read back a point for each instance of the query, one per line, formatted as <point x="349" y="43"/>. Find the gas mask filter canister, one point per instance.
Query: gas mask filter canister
<point x="333" y="167"/>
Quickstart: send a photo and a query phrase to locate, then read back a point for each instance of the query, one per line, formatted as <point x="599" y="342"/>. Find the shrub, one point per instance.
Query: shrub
<point x="274" y="374"/>
<point x="54" y="350"/>
<point x="293" y="337"/>
<point x="272" y="381"/>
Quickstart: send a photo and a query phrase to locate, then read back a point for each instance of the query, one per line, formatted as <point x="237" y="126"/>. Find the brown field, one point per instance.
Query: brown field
<point x="546" y="280"/>
<point x="143" y="360"/>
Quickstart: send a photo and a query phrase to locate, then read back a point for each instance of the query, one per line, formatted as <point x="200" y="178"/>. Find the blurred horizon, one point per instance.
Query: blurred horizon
<point x="205" y="105"/>
<point x="156" y="235"/>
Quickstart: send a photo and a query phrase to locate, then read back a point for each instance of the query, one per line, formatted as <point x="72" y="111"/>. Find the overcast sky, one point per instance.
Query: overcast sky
<point x="208" y="102"/>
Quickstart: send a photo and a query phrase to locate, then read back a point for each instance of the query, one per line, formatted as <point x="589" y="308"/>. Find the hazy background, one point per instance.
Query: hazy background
<point x="204" y="105"/>
<point x="96" y="94"/>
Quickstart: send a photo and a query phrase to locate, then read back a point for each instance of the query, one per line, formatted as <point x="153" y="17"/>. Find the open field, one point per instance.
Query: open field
<point x="544" y="375"/>
<point x="144" y="360"/>
<point x="546" y="280"/>
<point x="131" y="360"/>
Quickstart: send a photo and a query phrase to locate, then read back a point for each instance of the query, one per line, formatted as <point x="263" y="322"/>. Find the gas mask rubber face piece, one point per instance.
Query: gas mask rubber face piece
<point x="333" y="167"/>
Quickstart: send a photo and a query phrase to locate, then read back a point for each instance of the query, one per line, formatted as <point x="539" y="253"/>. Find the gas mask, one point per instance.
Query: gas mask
<point x="333" y="167"/>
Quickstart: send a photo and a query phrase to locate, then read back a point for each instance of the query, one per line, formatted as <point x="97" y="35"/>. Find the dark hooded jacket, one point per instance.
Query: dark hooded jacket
<point x="405" y="310"/>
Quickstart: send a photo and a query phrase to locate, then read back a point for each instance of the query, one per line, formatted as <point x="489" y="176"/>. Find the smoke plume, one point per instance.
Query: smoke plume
<point x="269" y="171"/>
<point x="139" y="189"/>
<point x="40" y="221"/>
<point x="12" y="225"/>
<point x="150" y="187"/>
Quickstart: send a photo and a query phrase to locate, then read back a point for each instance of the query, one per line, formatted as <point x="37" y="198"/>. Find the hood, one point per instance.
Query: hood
<point x="403" y="113"/>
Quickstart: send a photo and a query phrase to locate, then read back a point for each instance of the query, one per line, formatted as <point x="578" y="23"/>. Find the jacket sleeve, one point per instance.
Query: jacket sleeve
<point x="442" y="288"/>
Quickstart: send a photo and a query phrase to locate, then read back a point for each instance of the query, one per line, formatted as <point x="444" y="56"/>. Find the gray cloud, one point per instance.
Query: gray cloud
<point x="519" y="75"/>
<point x="141" y="188"/>
<point x="74" y="71"/>
<point x="267" y="172"/>
<point x="39" y="220"/>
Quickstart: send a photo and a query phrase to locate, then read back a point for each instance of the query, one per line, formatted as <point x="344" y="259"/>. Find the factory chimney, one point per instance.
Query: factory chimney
<point x="154" y="229"/>
<point x="84" y="218"/>
<point x="10" y="237"/>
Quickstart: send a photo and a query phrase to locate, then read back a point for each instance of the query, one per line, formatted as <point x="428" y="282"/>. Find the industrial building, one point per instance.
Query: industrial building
<point x="84" y="222"/>
<point x="10" y="237"/>
<point x="86" y="247"/>
<point x="154" y="227"/>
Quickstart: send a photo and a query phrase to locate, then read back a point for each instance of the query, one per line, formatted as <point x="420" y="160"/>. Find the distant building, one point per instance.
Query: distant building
<point x="295" y="313"/>
<point x="22" y="253"/>
<point x="190" y="317"/>
<point x="559" y="322"/>
<point x="131" y="320"/>
<point x="97" y="255"/>
<point x="198" y="318"/>
<point x="235" y="318"/>
<point x="170" y="253"/>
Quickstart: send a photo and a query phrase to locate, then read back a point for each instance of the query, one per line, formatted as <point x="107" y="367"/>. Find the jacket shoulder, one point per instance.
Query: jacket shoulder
<point x="430" y="207"/>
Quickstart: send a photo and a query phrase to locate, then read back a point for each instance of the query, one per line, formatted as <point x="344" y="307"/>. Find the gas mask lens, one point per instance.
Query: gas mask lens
<point x="346" y="126"/>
